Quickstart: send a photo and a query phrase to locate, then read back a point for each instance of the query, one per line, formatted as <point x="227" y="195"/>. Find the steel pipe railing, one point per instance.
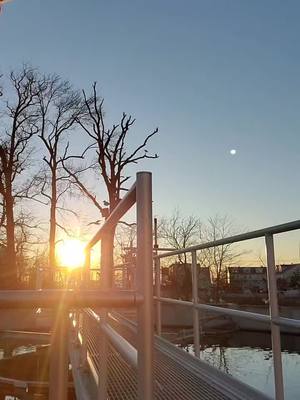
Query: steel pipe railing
<point x="281" y="321"/>
<point x="282" y="228"/>
<point x="68" y="298"/>
<point x="141" y="194"/>
<point x="144" y="283"/>
<point x="128" y="352"/>
<point x="62" y="301"/>
<point x="196" y="327"/>
<point x="274" y="313"/>
<point x="273" y="318"/>
<point x="125" y="204"/>
<point x="157" y="291"/>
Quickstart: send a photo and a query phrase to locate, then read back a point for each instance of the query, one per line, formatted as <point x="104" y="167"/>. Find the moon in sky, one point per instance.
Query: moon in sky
<point x="233" y="152"/>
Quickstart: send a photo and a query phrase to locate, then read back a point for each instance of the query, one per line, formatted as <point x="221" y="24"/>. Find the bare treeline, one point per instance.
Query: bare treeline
<point x="52" y="137"/>
<point x="179" y="232"/>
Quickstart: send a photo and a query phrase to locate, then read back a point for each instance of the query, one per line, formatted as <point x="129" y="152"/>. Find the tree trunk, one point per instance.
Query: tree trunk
<point x="52" y="234"/>
<point x="11" y="274"/>
<point x="107" y="247"/>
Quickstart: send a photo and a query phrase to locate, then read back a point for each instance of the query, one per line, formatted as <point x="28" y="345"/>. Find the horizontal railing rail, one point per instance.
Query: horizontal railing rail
<point x="125" y="204"/>
<point x="141" y="195"/>
<point x="68" y="298"/>
<point x="282" y="321"/>
<point x="275" y="320"/>
<point x="272" y="230"/>
<point x="128" y="352"/>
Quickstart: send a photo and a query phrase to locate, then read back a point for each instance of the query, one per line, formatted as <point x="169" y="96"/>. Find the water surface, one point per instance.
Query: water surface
<point x="248" y="357"/>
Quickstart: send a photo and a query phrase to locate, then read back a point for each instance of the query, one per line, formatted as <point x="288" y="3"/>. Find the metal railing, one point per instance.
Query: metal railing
<point x="141" y="194"/>
<point x="273" y="318"/>
<point x="121" y="357"/>
<point x="62" y="301"/>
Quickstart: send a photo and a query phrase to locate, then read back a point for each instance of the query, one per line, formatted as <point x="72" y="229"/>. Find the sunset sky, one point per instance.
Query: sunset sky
<point x="213" y="75"/>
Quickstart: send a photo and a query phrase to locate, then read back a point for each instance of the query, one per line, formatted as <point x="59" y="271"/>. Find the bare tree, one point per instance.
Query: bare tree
<point x="28" y="238"/>
<point x="220" y="257"/>
<point x="18" y="125"/>
<point x="59" y="108"/>
<point x="113" y="156"/>
<point x="179" y="232"/>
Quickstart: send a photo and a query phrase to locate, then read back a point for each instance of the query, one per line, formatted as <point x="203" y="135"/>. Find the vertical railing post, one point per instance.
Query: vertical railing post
<point x="84" y="333"/>
<point x="39" y="278"/>
<point x="102" y="354"/>
<point x="157" y="290"/>
<point x="157" y="281"/>
<point x="124" y="277"/>
<point x="84" y="320"/>
<point x="195" y="302"/>
<point x="274" y="313"/>
<point x="87" y="266"/>
<point x="75" y="323"/>
<point x="106" y="283"/>
<point x="59" y="361"/>
<point x="144" y="282"/>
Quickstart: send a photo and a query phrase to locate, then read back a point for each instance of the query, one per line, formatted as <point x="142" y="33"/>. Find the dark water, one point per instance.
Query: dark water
<point x="244" y="355"/>
<point x="248" y="357"/>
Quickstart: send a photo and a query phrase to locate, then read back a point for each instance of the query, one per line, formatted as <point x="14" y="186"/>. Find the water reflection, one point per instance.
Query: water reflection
<point x="248" y="357"/>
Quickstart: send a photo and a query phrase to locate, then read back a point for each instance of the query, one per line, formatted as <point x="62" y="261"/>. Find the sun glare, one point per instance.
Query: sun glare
<point x="71" y="253"/>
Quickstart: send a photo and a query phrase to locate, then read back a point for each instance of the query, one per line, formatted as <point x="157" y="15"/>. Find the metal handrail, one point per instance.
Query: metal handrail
<point x="68" y="298"/>
<point x="128" y="352"/>
<point x="273" y="318"/>
<point x="272" y="230"/>
<point x="125" y="204"/>
<point x="141" y="194"/>
<point x="282" y="321"/>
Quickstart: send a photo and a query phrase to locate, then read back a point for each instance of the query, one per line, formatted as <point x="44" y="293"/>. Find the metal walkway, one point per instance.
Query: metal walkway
<point x="114" y="359"/>
<point x="177" y="374"/>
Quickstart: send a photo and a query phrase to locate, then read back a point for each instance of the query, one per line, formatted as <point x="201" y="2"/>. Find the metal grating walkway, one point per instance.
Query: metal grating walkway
<point x="178" y="375"/>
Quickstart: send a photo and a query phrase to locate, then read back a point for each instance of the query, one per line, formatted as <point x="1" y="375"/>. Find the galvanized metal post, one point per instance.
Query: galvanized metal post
<point x="39" y="278"/>
<point x="274" y="313"/>
<point x="195" y="302"/>
<point x="106" y="283"/>
<point x="75" y="322"/>
<point x="84" y="333"/>
<point x="144" y="281"/>
<point x="102" y="373"/>
<point x="87" y="266"/>
<point x="158" y="303"/>
<point x="59" y="361"/>
<point x="123" y="275"/>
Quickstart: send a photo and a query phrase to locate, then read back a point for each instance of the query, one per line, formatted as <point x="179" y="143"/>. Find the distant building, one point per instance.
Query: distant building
<point x="252" y="279"/>
<point x="177" y="281"/>
<point x="288" y="276"/>
<point x="255" y="278"/>
<point x="178" y="272"/>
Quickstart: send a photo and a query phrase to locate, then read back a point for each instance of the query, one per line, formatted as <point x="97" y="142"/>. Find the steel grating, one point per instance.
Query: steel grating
<point x="178" y="375"/>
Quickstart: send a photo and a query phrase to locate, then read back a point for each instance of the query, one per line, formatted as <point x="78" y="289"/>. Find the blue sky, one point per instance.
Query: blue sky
<point x="212" y="75"/>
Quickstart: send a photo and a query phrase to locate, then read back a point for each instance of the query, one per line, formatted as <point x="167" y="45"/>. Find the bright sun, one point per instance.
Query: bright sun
<point x="71" y="253"/>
